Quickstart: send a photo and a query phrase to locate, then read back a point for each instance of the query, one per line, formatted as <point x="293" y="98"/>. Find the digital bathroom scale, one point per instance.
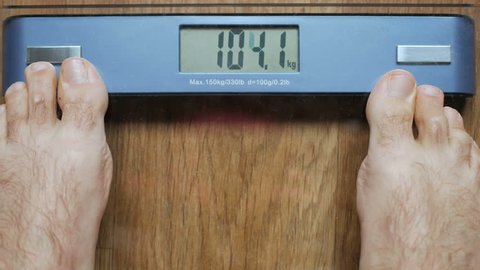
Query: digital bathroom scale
<point x="249" y="54"/>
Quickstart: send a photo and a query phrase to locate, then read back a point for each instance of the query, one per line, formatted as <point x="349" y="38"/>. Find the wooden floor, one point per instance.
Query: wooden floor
<point x="237" y="182"/>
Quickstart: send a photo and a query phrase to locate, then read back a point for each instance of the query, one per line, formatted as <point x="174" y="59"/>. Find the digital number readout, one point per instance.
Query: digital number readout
<point x="239" y="50"/>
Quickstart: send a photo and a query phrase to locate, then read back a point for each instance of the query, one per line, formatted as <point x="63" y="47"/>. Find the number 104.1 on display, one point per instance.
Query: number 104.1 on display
<point x="239" y="50"/>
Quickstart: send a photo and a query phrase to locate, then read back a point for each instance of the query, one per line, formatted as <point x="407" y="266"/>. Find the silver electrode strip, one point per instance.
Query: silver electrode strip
<point x="52" y="54"/>
<point x="424" y="54"/>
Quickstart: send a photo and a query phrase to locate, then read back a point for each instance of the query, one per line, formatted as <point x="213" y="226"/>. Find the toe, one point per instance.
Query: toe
<point x="16" y="103"/>
<point x="454" y="119"/>
<point x="390" y="108"/>
<point x="82" y="95"/>
<point x="430" y="117"/>
<point x="459" y="139"/>
<point x="3" y="125"/>
<point x="475" y="156"/>
<point x="42" y="88"/>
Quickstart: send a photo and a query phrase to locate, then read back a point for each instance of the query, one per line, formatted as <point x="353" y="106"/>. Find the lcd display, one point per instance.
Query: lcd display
<point x="239" y="49"/>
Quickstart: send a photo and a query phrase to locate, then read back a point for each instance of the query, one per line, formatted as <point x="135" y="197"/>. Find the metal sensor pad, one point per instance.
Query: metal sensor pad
<point x="422" y="54"/>
<point x="52" y="54"/>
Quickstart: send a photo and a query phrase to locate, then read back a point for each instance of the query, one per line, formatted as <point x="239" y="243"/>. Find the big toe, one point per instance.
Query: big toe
<point x="82" y="95"/>
<point x="390" y="108"/>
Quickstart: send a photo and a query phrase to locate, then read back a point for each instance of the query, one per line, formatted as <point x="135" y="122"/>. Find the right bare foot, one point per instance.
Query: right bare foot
<point x="54" y="174"/>
<point x="418" y="199"/>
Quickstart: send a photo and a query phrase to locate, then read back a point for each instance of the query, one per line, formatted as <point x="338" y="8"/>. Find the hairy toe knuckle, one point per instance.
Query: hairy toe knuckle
<point x="39" y="104"/>
<point x="393" y="126"/>
<point x="393" y="118"/>
<point x="82" y="114"/>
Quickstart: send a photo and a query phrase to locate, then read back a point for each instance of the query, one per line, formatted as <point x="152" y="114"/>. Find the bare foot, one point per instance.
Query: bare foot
<point x="54" y="174"/>
<point x="418" y="199"/>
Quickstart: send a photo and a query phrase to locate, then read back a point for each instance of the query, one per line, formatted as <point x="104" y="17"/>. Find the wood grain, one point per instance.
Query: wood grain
<point x="234" y="181"/>
<point x="79" y="3"/>
<point x="238" y="182"/>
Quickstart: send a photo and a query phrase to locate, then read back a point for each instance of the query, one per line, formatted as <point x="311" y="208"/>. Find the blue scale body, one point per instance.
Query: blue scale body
<point x="337" y="54"/>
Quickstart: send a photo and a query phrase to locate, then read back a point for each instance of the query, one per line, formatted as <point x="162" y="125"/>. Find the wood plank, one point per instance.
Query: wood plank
<point x="80" y="3"/>
<point x="471" y="112"/>
<point x="353" y="144"/>
<point x="119" y="10"/>
<point x="103" y="259"/>
<point x="238" y="182"/>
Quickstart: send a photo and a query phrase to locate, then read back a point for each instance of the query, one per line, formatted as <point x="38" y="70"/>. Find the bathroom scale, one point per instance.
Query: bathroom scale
<point x="234" y="54"/>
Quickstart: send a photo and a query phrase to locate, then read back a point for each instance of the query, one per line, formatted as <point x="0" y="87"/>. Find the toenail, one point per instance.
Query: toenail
<point x="431" y="91"/>
<point x="74" y="71"/>
<point x="39" y="66"/>
<point x="16" y="86"/>
<point x="400" y="85"/>
<point x="452" y="111"/>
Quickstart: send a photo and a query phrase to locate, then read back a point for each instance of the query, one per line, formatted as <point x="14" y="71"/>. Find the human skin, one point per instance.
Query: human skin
<point x="55" y="173"/>
<point x="418" y="199"/>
